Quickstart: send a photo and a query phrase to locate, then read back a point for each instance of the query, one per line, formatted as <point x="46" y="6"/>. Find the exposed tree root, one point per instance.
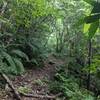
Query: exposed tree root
<point x="42" y="96"/>
<point x="16" y="94"/>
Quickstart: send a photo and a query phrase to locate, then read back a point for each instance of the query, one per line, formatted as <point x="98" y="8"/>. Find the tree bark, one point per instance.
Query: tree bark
<point x="89" y="64"/>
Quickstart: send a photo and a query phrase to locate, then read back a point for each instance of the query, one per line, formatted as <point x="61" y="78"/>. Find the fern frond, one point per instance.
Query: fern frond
<point x="19" y="66"/>
<point x="9" y="59"/>
<point x="19" y="53"/>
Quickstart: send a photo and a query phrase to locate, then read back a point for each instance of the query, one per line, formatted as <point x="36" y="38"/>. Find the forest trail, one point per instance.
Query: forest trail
<point x="40" y="73"/>
<point x="36" y="80"/>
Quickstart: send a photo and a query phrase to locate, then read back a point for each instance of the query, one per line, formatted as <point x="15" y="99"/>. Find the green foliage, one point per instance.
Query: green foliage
<point x="19" y="66"/>
<point x="20" y="54"/>
<point x="10" y="57"/>
<point x="30" y="10"/>
<point x="94" y="68"/>
<point x="10" y="63"/>
<point x="93" y="28"/>
<point x="69" y="87"/>
<point x="92" y="2"/>
<point x="93" y="19"/>
<point x="24" y="90"/>
<point x="30" y="28"/>
<point x="38" y="82"/>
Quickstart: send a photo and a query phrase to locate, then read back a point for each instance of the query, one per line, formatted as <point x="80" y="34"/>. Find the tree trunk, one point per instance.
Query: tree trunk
<point x="89" y="63"/>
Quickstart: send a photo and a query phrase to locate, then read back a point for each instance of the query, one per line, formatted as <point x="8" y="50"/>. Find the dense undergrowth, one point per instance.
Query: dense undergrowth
<point x="69" y="86"/>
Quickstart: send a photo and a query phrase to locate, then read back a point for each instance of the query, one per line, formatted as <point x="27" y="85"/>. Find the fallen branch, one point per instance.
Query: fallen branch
<point x="41" y="96"/>
<point x="16" y="94"/>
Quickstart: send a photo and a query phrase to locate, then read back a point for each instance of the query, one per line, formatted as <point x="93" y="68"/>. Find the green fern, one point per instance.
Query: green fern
<point x="20" y="54"/>
<point x="9" y="59"/>
<point x="10" y="63"/>
<point x="19" y="66"/>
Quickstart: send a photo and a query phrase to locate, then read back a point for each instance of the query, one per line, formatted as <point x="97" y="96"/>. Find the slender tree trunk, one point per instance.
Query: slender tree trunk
<point x="89" y="63"/>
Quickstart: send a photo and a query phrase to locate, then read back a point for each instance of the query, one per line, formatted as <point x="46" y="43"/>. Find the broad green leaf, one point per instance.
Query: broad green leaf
<point x="93" y="28"/>
<point x="96" y="8"/>
<point x="91" y="2"/>
<point x="92" y="18"/>
<point x="86" y="27"/>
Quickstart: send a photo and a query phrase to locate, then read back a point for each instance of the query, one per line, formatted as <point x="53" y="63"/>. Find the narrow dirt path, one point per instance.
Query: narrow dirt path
<point x="34" y="79"/>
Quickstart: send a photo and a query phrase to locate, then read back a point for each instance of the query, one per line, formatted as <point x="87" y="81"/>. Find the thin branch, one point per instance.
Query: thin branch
<point x="42" y="96"/>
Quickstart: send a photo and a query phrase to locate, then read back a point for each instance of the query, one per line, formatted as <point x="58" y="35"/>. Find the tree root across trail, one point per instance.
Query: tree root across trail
<point x="18" y="95"/>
